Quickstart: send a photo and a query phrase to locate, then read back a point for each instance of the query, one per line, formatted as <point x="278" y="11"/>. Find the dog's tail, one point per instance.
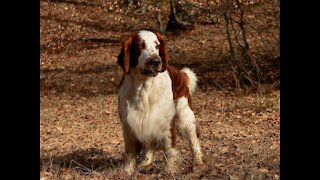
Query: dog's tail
<point x="192" y="84"/>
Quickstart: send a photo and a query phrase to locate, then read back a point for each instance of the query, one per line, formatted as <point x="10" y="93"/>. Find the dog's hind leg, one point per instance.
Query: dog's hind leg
<point x="187" y="127"/>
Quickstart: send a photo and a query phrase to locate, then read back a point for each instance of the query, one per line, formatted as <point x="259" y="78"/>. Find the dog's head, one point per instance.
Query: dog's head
<point x="145" y="52"/>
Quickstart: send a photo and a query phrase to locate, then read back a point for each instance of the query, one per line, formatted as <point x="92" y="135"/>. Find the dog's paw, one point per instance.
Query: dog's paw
<point x="144" y="163"/>
<point x="198" y="159"/>
<point x="173" y="164"/>
<point x="172" y="169"/>
<point x="129" y="168"/>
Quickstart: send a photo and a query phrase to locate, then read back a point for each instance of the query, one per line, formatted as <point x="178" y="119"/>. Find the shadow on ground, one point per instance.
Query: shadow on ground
<point x="91" y="79"/>
<point x="82" y="160"/>
<point x="86" y="80"/>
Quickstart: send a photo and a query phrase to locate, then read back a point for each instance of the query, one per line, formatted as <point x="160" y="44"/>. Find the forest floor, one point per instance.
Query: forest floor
<point x="80" y="131"/>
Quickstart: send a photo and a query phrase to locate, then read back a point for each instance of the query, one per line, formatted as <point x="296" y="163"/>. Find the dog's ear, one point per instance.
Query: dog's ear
<point x="162" y="51"/>
<point x="124" y="55"/>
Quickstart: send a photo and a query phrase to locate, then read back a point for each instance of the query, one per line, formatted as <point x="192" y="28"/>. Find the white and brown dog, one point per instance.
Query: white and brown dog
<point x="154" y="100"/>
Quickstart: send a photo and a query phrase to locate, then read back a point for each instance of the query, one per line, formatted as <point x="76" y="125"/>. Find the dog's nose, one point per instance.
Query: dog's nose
<point x="155" y="62"/>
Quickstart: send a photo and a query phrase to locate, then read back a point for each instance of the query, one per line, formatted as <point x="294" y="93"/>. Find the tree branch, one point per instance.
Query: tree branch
<point x="159" y="16"/>
<point x="179" y="21"/>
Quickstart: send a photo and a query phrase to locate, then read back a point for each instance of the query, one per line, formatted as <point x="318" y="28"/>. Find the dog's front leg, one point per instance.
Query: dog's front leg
<point x="131" y="150"/>
<point x="171" y="156"/>
<point x="147" y="156"/>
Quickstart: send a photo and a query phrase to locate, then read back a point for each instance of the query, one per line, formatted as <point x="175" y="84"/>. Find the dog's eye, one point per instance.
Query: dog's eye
<point x="158" y="46"/>
<point x="142" y="45"/>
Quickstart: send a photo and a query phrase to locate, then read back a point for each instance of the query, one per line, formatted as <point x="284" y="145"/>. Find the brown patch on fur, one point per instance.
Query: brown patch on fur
<point x="130" y="51"/>
<point x="121" y="81"/>
<point x="173" y="132"/>
<point x="198" y="131"/>
<point x="179" y="84"/>
<point x="180" y="88"/>
<point x="162" y="51"/>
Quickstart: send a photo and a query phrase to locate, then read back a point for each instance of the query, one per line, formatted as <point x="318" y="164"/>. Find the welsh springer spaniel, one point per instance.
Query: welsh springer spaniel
<point x="154" y="101"/>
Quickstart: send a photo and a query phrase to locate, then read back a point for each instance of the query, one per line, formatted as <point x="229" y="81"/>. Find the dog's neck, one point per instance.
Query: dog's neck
<point x="140" y="81"/>
<point x="141" y="86"/>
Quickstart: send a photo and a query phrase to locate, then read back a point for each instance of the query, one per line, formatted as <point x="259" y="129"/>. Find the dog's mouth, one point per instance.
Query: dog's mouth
<point x="152" y="67"/>
<point x="151" y="70"/>
<point x="150" y="73"/>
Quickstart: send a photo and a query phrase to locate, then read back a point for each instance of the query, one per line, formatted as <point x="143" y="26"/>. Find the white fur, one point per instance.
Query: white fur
<point x="147" y="106"/>
<point x="192" y="80"/>
<point x="187" y="124"/>
<point x="151" y="41"/>
<point x="146" y="109"/>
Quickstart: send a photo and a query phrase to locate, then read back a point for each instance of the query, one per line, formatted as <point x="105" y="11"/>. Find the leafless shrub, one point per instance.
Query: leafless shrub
<point x="246" y="71"/>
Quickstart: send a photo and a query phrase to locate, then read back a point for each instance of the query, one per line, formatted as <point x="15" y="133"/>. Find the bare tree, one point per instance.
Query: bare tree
<point x="182" y="16"/>
<point x="245" y="69"/>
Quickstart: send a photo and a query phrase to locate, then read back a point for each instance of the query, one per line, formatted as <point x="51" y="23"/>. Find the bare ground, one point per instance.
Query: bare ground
<point x="80" y="132"/>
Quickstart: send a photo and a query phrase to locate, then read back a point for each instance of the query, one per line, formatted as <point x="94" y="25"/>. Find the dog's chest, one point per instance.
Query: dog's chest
<point x="148" y="109"/>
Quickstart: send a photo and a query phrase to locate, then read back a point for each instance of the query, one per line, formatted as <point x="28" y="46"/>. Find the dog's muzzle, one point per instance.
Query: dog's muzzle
<point x="153" y="66"/>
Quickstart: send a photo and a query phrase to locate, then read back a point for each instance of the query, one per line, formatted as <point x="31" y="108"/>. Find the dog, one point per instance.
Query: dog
<point x="154" y="102"/>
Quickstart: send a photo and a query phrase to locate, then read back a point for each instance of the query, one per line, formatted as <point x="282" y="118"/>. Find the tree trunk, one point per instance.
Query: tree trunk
<point x="244" y="67"/>
<point x="179" y="18"/>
